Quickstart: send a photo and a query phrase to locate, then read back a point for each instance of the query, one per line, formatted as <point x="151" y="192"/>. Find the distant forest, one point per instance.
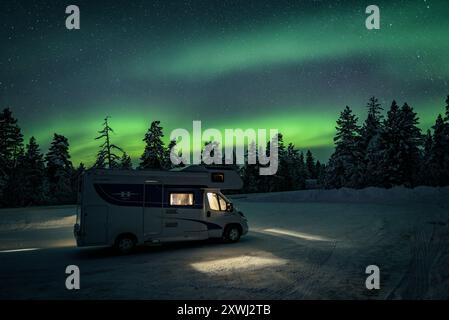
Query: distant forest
<point x="386" y="150"/>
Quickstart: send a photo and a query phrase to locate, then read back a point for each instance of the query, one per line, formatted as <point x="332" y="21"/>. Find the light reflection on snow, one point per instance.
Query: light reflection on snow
<point x="19" y="250"/>
<point x="296" y="234"/>
<point x="237" y="263"/>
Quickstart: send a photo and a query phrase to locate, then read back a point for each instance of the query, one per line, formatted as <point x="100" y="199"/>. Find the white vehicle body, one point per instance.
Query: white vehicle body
<point x="156" y="206"/>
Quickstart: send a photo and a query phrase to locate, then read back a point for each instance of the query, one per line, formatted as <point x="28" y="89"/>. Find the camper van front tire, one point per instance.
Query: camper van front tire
<point x="232" y="233"/>
<point x="125" y="243"/>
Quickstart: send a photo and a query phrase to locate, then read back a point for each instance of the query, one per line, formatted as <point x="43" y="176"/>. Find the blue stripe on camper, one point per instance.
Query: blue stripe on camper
<point x="132" y="195"/>
<point x="210" y="225"/>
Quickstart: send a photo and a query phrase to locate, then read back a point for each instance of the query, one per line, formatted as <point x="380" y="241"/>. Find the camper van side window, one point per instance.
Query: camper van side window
<point x="213" y="201"/>
<point x="217" y="177"/>
<point x="181" y="199"/>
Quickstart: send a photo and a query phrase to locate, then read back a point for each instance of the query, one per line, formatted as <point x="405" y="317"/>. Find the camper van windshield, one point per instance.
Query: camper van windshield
<point x="217" y="201"/>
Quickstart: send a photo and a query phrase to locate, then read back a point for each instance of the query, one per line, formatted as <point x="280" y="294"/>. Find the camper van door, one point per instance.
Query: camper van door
<point x="152" y="211"/>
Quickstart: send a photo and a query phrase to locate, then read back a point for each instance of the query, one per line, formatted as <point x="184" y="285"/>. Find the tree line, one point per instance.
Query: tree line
<point x="390" y="150"/>
<point x="384" y="151"/>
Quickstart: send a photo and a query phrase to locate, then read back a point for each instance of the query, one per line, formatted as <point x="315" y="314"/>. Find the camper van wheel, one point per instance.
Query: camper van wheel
<point x="232" y="233"/>
<point x="125" y="243"/>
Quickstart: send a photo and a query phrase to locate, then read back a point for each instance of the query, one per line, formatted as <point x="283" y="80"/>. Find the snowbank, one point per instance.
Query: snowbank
<point x="367" y="195"/>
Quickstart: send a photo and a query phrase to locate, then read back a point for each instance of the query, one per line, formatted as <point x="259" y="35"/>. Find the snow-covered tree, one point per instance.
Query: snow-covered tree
<point x="310" y="165"/>
<point x="250" y="171"/>
<point x="125" y="162"/>
<point x="369" y="144"/>
<point x="11" y="149"/>
<point x="446" y="118"/>
<point x="296" y="170"/>
<point x="106" y="156"/>
<point x="153" y="155"/>
<point x="168" y="164"/>
<point x="33" y="173"/>
<point x="425" y="175"/>
<point x="343" y="169"/>
<point x="11" y="139"/>
<point x="59" y="171"/>
<point x="400" y="143"/>
<point x="438" y="166"/>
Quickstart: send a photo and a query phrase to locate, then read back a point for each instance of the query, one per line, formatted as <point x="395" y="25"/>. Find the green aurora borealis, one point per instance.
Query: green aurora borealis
<point x="290" y="65"/>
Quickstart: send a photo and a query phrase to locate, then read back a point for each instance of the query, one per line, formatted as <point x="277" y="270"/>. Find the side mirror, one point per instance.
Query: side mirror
<point x="229" y="207"/>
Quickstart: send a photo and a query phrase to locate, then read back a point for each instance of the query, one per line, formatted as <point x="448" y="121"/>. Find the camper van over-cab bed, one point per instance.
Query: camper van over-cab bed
<point x="125" y="208"/>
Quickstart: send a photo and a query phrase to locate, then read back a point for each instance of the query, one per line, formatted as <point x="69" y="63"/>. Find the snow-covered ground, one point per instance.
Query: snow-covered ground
<point x="311" y="244"/>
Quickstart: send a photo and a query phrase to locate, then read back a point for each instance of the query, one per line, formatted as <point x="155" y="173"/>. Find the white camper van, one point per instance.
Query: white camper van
<point x="125" y="208"/>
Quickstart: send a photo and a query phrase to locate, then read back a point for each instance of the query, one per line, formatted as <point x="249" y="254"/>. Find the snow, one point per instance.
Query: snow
<point x="396" y="195"/>
<point x="313" y="244"/>
<point x="37" y="218"/>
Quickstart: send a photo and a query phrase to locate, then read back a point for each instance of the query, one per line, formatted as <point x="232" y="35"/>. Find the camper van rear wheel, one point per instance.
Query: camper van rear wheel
<point x="125" y="243"/>
<point x="232" y="233"/>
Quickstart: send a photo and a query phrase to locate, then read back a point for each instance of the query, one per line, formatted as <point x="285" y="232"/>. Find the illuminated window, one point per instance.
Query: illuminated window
<point x="213" y="201"/>
<point x="222" y="203"/>
<point x="216" y="202"/>
<point x="181" y="199"/>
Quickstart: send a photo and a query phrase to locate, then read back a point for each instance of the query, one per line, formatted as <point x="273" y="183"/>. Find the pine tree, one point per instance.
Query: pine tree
<point x="369" y="144"/>
<point x="310" y="165"/>
<point x="425" y="175"/>
<point x="33" y="172"/>
<point x="11" y="140"/>
<point x="372" y="125"/>
<point x="296" y="177"/>
<point x="321" y="173"/>
<point x="438" y="154"/>
<point x="153" y="155"/>
<point x="390" y="161"/>
<point x="410" y="147"/>
<point x="107" y="157"/>
<point x="250" y="171"/>
<point x="59" y="171"/>
<point x="343" y="168"/>
<point x="400" y="143"/>
<point x="11" y="150"/>
<point x="125" y="162"/>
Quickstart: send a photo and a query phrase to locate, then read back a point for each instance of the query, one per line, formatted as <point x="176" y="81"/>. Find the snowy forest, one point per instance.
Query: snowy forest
<point x="387" y="149"/>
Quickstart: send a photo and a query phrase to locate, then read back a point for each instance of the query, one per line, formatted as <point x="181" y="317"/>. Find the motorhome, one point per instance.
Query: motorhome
<point x="126" y="208"/>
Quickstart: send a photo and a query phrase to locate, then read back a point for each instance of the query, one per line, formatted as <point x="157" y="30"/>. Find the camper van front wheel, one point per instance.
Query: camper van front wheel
<point x="125" y="243"/>
<point x="232" y="233"/>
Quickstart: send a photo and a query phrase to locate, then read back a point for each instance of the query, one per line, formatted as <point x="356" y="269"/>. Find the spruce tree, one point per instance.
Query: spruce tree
<point x="59" y="171"/>
<point x="343" y="168"/>
<point x="296" y="175"/>
<point x="310" y="165"/>
<point x="400" y="143"/>
<point x="106" y="156"/>
<point x="33" y="172"/>
<point x="446" y="118"/>
<point x="425" y="176"/>
<point x="250" y="171"/>
<point x="410" y="147"/>
<point x="11" y="150"/>
<point x="390" y="166"/>
<point x="369" y="144"/>
<point x="438" y="154"/>
<point x="11" y="140"/>
<point x="125" y="162"/>
<point x="153" y="155"/>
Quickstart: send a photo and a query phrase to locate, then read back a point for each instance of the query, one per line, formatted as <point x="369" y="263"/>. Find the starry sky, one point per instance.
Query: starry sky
<point x="290" y="65"/>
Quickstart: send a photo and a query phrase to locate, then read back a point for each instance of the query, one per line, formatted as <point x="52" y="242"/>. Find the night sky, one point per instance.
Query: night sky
<point x="231" y="64"/>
